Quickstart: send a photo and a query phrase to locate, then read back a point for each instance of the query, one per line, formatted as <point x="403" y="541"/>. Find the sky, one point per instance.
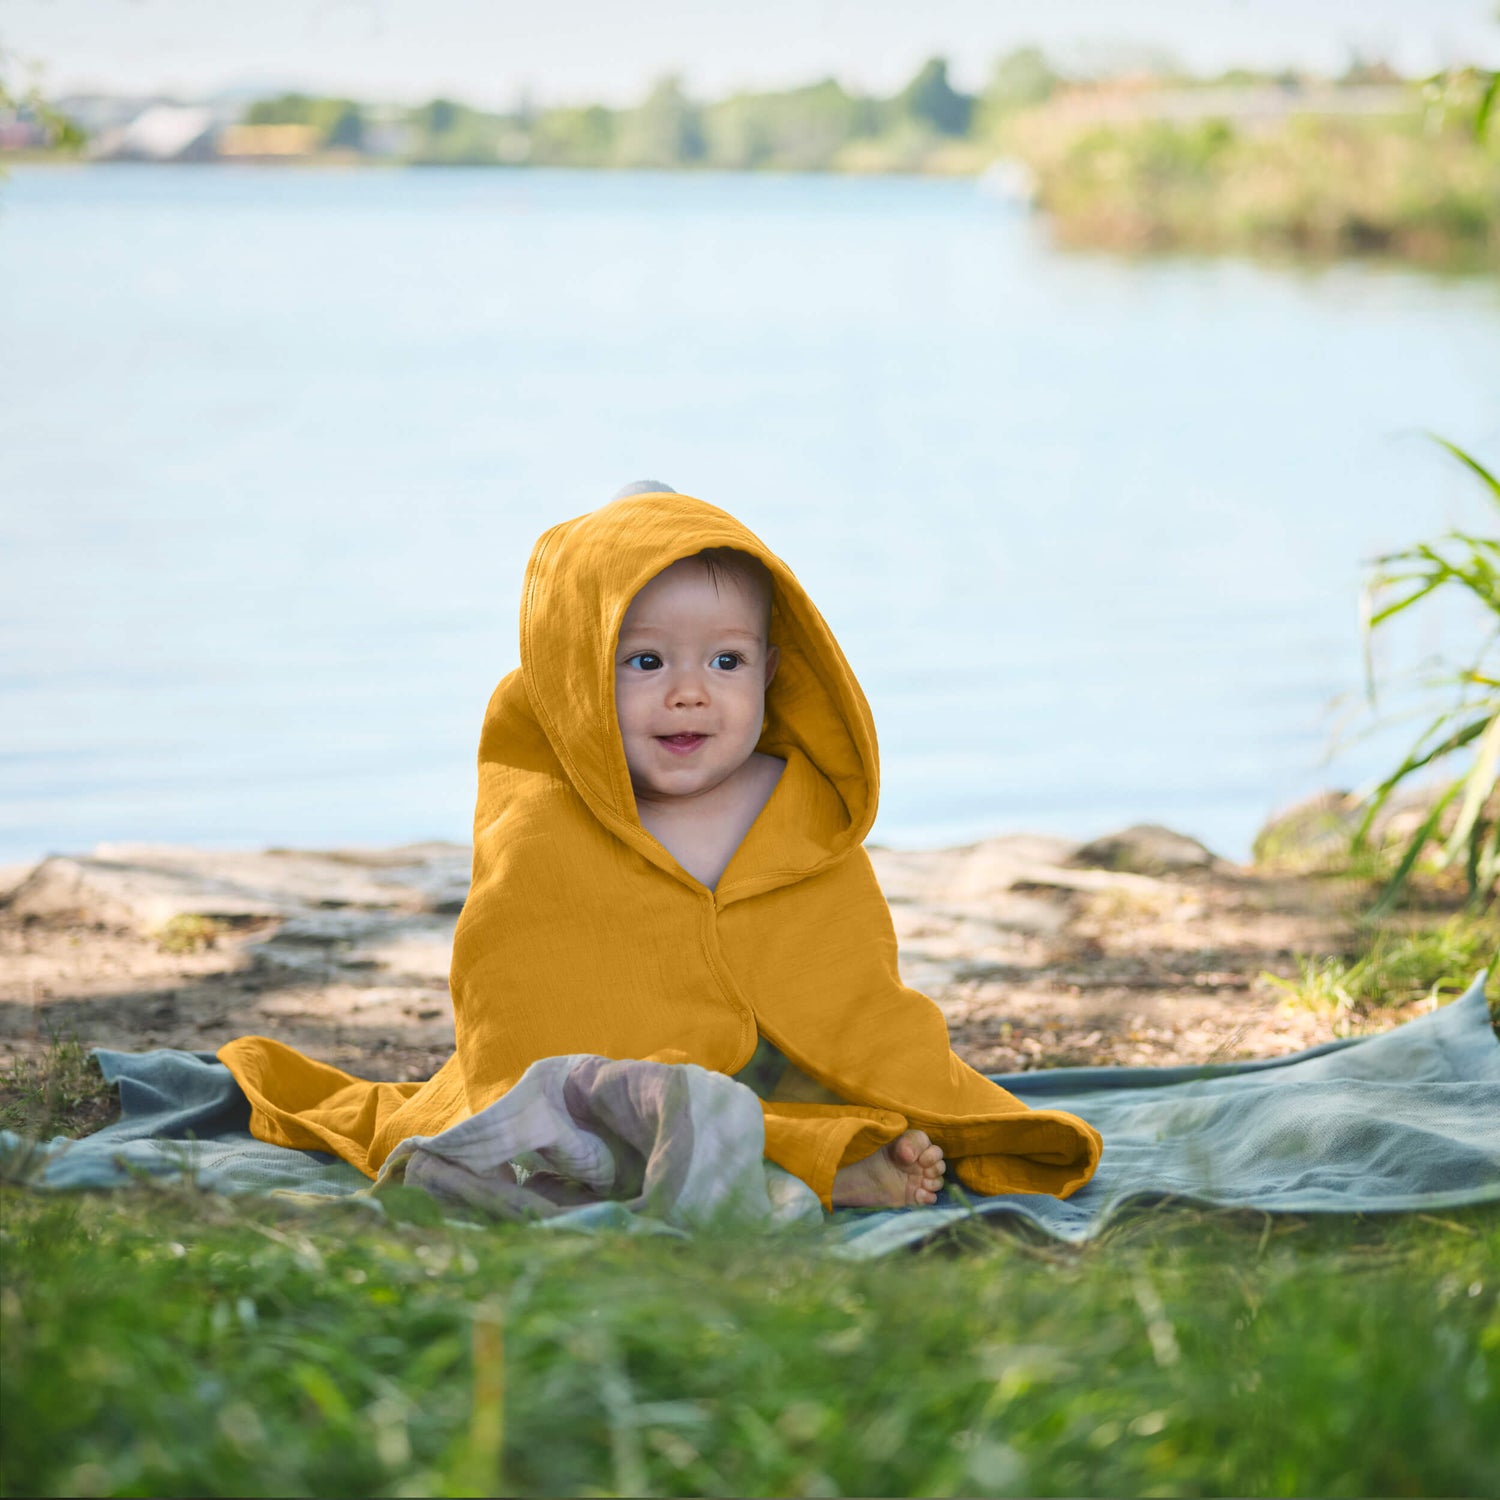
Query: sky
<point x="495" y="52"/>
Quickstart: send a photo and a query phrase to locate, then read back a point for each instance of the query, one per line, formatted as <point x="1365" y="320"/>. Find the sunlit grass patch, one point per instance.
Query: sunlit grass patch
<point x="1395" y="968"/>
<point x="188" y="932"/>
<point x="1128" y="905"/>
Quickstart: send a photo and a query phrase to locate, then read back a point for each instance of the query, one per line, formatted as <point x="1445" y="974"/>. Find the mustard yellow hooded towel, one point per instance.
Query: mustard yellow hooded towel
<point x="581" y="933"/>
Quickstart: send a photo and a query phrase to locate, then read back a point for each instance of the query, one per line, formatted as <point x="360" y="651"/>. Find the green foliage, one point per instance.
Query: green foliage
<point x="59" y="1092"/>
<point x="159" y="1343"/>
<point x="1416" y="185"/>
<point x="338" y="122"/>
<point x="1468" y="723"/>
<point x="572" y="138"/>
<point x="343" y="126"/>
<point x="437" y="117"/>
<point x="930" y="100"/>
<point x="664" y="131"/>
<point x="1162" y="155"/>
<point x="798" y="130"/>
<point x="802" y="129"/>
<point x="446" y="133"/>
<point x="1471" y="94"/>
<point x="29" y="99"/>
<point x="1422" y="186"/>
<point x="1484" y="111"/>
<point x="188" y="932"/>
<point x="1396" y="968"/>
<point x="1020" y="80"/>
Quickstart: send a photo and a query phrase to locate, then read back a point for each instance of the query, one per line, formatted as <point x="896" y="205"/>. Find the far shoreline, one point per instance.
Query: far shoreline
<point x="992" y="180"/>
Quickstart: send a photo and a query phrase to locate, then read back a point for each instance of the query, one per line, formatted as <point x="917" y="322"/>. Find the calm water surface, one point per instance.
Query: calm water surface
<point x="274" y="447"/>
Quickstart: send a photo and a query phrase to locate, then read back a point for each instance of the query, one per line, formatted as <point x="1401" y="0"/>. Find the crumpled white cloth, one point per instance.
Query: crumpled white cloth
<point x="676" y="1142"/>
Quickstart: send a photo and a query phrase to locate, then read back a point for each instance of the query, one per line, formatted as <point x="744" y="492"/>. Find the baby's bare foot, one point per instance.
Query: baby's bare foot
<point x="907" y="1172"/>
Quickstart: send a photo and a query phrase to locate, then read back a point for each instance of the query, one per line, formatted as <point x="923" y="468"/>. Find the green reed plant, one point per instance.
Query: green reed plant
<point x="1468" y="722"/>
<point x="1470" y="94"/>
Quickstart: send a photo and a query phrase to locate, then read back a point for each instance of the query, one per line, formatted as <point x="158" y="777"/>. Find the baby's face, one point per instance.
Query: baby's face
<point x="691" y="672"/>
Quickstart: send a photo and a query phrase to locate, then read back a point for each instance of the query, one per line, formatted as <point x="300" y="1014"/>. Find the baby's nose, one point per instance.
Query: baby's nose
<point x="687" y="689"/>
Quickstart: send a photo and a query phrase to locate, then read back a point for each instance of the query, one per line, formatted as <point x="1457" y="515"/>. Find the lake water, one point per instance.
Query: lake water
<point x="275" y="444"/>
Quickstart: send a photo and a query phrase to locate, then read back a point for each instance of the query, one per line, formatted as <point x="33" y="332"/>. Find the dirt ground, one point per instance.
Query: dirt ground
<point x="1036" y="958"/>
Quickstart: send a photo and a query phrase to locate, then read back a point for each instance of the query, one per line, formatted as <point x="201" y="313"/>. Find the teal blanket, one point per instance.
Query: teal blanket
<point x="1406" y="1120"/>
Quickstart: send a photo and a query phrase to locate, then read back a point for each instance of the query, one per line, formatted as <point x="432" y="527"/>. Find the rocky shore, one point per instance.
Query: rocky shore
<point x="1142" y="947"/>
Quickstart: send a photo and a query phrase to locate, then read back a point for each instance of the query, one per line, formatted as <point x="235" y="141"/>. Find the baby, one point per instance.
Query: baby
<point x="674" y="788"/>
<point x="692" y="667"/>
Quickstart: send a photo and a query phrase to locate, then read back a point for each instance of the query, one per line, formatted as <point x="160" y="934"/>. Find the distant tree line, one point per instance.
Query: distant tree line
<point x="340" y="123"/>
<point x="807" y="128"/>
<point x="929" y="124"/>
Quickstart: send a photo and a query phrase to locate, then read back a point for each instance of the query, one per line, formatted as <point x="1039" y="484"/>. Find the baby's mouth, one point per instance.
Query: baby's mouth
<point x="681" y="744"/>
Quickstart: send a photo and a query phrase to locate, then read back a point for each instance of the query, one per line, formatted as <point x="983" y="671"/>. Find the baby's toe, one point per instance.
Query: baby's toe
<point x="911" y="1147"/>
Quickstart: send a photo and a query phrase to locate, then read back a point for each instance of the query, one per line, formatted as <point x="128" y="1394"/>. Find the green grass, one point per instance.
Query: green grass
<point x="1394" y="968"/>
<point x="59" y="1092"/>
<point x="188" y="932"/>
<point x="160" y="1342"/>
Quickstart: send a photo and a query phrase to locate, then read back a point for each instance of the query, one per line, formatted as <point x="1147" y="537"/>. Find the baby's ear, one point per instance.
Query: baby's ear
<point x="773" y="660"/>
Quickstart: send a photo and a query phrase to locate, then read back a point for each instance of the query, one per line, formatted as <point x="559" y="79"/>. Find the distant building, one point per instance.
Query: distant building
<point x="268" y="142"/>
<point x="162" y="132"/>
<point x="18" y="132"/>
<point x="96" y="113"/>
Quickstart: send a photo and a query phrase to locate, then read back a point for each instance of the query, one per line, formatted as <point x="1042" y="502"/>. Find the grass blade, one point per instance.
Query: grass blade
<point x="1477" y="786"/>
<point x="1413" y="852"/>
<point x="1490" y="482"/>
<point x="1415" y="760"/>
<point x="1486" y="107"/>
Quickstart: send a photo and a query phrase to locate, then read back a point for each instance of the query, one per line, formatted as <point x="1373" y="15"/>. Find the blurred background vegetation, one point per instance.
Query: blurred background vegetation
<point x="1369" y="163"/>
<point x="1412" y="173"/>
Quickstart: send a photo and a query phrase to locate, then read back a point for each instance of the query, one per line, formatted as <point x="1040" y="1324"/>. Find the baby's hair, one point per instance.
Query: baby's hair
<point x="730" y="562"/>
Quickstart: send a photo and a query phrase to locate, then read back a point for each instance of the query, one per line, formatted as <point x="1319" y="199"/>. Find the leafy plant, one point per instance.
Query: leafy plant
<point x="1456" y="561"/>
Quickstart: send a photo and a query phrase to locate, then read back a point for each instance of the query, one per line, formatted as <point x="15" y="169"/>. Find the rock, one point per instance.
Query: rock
<point x="107" y="893"/>
<point x="1147" y="849"/>
<point x="12" y="877"/>
<point x="1310" y="837"/>
<point x="996" y="878"/>
<point x="1408" y="808"/>
<point x="144" y="886"/>
<point x="994" y="904"/>
<point x="1313" y="837"/>
<point x="967" y="877"/>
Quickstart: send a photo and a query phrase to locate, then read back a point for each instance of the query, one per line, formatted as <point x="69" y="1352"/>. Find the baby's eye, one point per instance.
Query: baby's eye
<point x="727" y="661"/>
<point x="647" y="661"/>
